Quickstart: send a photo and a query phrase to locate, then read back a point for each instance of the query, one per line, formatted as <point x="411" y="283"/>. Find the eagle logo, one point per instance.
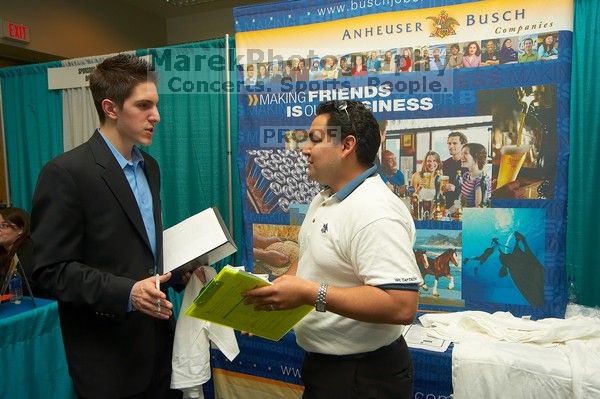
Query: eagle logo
<point x="443" y="25"/>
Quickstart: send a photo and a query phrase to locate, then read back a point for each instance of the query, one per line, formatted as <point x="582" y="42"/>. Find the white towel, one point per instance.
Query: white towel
<point x="584" y="357"/>
<point x="501" y="356"/>
<point x="504" y="326"/>
<point x="491" y="369"/>
<point x="191" y="348"/>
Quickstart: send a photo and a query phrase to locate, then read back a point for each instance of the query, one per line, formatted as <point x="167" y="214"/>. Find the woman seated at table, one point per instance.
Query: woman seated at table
<point x="476" y="187"/>
<point x="14" y="240"/>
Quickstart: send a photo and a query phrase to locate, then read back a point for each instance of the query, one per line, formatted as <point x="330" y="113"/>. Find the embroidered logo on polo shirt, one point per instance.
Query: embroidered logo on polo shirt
<point x="324" y="228"/>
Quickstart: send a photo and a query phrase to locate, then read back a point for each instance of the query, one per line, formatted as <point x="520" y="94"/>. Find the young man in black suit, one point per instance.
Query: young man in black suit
<point x="97" y="232"/>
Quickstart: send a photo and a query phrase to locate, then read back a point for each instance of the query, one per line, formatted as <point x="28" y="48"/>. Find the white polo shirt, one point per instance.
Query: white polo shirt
<point x="362" y="235"/>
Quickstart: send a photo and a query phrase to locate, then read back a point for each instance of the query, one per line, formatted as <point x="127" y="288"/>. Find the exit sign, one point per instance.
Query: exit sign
<point x="15" y="31"/>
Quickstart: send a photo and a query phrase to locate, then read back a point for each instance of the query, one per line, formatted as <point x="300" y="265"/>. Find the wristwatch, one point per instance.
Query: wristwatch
<point x="321" y="302"/>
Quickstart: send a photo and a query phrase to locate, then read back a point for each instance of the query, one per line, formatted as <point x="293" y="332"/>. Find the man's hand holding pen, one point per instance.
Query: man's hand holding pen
<point x="157" y="286"/>
<point x="146" y="297"/>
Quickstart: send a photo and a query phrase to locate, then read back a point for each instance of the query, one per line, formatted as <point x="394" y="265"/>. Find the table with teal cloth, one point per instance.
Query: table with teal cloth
<point x="32" y="355"/>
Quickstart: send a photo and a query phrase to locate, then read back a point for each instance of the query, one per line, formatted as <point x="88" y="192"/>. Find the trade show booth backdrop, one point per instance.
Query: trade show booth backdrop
<point x="190" y="141"/>
<point x="496" y="71"/>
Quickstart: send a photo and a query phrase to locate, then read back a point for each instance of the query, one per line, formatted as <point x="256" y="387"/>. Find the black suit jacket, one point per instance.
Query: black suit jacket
<point x="90" y="247"/>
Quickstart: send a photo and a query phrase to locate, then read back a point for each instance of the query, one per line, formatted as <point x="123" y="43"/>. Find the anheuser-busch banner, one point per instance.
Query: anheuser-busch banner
<point x="494" y="73"/>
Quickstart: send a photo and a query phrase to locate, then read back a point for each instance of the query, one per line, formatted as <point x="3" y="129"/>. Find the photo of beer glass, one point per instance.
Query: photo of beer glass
<point x="511" y="160"/>
<point x="427" y="180"/>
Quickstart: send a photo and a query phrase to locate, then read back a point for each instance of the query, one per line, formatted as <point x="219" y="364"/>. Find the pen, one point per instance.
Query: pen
<point x="157" y="281"/>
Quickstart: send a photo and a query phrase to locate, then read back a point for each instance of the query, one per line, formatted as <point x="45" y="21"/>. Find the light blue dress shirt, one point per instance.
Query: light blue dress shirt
<point x="134" y="172"/>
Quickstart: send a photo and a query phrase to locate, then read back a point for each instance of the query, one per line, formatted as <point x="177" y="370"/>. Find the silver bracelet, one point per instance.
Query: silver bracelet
<point x="321" y="302"/>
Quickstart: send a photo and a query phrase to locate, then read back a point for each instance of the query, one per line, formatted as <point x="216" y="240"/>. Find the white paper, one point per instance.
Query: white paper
<point x="416" y="337"/>
<point x="191" y="238"/>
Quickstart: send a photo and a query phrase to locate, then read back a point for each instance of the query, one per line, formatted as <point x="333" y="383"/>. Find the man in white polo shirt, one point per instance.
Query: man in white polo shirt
<point x="356" y="266"/>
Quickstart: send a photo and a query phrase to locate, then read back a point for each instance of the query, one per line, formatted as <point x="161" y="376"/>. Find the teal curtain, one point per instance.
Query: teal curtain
<point x="33" y="127"/>
<point x="583" y="240"/>
<point x="190" y="142"/>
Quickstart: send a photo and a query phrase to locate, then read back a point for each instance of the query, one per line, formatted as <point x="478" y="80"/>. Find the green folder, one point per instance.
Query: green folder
<point x="221" y="302"/>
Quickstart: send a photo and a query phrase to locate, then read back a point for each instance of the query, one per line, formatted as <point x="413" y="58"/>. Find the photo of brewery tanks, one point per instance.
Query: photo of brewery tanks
<point x="523" y="142"/>
<point x="276" y="179"/>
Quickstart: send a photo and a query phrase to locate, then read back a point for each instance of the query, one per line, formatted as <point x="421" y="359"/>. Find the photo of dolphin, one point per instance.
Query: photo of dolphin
<point x="505" y="257"/>
<point x="525" y="269"/>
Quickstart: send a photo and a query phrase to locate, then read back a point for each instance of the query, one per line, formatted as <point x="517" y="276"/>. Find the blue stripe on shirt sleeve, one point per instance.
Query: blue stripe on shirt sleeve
<point x="402" y="287"/>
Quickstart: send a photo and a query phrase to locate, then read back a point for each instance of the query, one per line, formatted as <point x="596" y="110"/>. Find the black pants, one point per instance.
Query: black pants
<point x="385" y="373"/>
<point x="160" y="384"/>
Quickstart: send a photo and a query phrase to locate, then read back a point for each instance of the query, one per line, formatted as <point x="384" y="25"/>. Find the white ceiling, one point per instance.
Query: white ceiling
<point x="166" y="9"/>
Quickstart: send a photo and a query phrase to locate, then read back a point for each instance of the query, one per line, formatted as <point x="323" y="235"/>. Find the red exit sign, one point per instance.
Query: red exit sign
<point x="15" y="31"/>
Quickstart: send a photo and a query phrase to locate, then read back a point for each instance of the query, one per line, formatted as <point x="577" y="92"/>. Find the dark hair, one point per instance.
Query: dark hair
<point x="488" y="41"/>
<point x="115" y="78"/>
<point x="261" y="66"/>
<point x="19" y="218"/>
<point x="478" y="152"/>
<point x="548" y="48"/>
<point x="359" y="122"/>
<point x="355" y="56"/>
<point x="461" y="137"/>
<point x="478" y="52"/>
<point x="384" y="167"/>
<point x="456" y="46"/>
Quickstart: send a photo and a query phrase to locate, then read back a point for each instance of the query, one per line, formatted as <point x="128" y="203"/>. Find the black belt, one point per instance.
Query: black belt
<point x="355" y="356"/>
